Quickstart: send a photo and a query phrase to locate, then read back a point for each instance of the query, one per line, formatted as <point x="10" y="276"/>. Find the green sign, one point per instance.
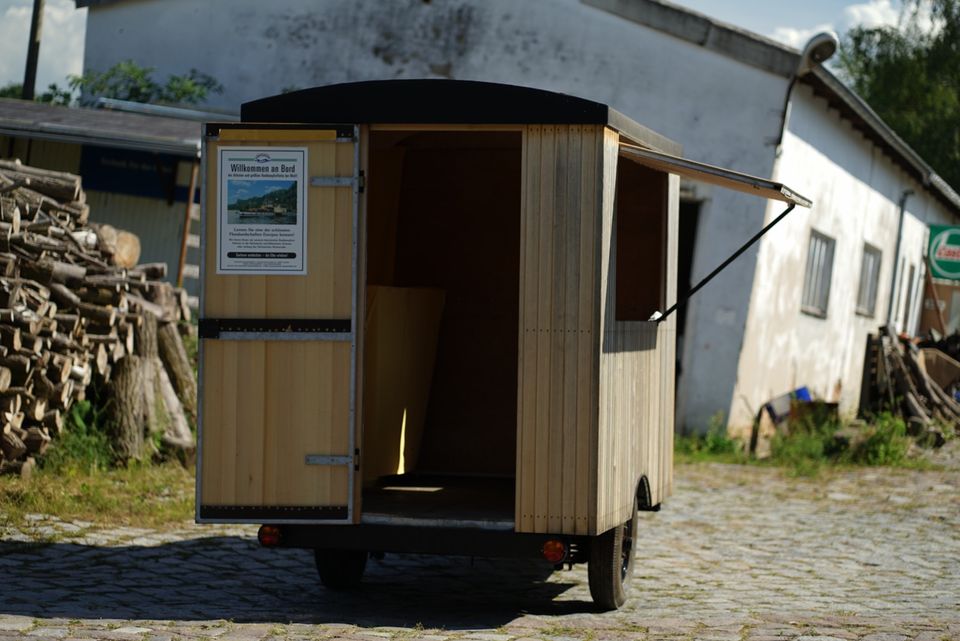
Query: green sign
<point x="944" y="251"/>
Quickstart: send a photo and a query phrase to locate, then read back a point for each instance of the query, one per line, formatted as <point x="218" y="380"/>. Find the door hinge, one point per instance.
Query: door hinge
<point x="356" y="460"/>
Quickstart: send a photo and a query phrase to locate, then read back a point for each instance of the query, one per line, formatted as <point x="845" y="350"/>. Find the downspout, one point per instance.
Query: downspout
<point x="817" y="50"/>
<point x="896" y="253"/>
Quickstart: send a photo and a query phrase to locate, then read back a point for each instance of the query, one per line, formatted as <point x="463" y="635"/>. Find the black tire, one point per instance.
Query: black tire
<point x="340" y="569"/>
<point x="611" y="564"/>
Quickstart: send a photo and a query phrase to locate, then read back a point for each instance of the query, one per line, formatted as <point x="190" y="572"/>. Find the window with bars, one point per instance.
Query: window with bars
<point x="816" y="283"/>
<point x="869" y="277"/>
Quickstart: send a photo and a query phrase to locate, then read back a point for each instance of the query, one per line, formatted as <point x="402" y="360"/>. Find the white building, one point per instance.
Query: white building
<point x="789" y="312"/>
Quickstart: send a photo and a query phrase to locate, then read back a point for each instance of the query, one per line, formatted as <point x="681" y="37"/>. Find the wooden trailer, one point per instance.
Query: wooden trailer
<point x="426" y="324"/>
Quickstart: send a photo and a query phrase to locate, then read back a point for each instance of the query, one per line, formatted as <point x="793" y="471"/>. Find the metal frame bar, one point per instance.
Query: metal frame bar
<point x="351" y="336"/>
<point x="203" y="268"/>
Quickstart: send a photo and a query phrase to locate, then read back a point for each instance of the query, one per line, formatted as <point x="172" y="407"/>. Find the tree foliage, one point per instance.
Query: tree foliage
<point x="910" y="75"/>
<point x="126" y="80"/>
<point x="53" y="95"/>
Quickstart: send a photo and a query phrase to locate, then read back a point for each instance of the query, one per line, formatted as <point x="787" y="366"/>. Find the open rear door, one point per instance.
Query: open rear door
<point x="278" y="311"/>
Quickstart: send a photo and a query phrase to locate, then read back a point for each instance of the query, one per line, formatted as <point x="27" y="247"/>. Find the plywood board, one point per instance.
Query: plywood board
<point x="402" y="328"/>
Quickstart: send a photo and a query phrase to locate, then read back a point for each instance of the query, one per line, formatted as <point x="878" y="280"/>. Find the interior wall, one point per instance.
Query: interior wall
<point x="444" y="213"/>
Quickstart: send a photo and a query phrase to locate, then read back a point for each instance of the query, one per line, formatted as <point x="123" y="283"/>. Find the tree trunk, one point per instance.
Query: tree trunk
<point x="126" y="408"/>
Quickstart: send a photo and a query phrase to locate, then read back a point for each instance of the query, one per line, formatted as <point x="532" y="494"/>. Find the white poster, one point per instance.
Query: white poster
<point x="261" y="205"/>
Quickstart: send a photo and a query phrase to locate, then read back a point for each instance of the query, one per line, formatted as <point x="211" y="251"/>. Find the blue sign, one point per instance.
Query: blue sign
<point x="135" y="173"/>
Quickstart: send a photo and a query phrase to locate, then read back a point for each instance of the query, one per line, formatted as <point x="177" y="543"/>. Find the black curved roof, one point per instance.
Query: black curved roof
<point x="441" y="102"/>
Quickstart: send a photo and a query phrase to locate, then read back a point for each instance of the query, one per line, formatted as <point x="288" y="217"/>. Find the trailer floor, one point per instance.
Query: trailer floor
<point x="440" y="500"/>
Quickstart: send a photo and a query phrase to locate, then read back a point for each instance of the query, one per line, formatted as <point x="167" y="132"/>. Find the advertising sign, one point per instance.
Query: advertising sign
<point x="261" y="211"/>
<point x="944" y="251"/>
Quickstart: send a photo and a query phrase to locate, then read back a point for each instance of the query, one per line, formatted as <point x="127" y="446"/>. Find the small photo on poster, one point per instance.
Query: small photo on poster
<point x="262" y="202"/>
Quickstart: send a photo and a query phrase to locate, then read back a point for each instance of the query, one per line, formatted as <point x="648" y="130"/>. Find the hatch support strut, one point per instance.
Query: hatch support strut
<point x="693" y="290"/>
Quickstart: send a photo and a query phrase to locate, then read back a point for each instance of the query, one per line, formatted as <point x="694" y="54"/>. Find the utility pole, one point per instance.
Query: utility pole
<point x="33" y="51"/>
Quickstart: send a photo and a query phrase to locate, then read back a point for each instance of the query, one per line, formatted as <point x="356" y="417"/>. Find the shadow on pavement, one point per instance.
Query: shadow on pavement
<point x="234" y="579"/>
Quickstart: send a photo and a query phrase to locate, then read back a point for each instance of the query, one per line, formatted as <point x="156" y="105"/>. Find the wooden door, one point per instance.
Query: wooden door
<point x="278" y="344"/>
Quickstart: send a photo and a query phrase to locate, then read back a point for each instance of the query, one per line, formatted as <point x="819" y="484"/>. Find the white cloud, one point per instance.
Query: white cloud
<point x="876" y="13"/>
<point x="61" y="44"/>
<point x="797" y="38"/>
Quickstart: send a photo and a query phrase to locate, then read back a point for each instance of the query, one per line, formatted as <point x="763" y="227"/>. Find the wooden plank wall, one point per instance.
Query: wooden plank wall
<point x="267" y="404"/>
<point x="557" y="395"/>
<point x="636" y="396"/>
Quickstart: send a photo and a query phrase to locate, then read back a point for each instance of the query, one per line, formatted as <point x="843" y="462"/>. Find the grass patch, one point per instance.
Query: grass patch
<point x="808" y="445"/>
<point x="714" y="446"/>
<point x="77" y="480"/>
<point x="155" y="496"/>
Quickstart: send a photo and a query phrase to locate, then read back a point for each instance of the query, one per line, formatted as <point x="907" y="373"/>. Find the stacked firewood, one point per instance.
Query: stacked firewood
<point x="75" y="307"/>
<point x="895" y="379"/>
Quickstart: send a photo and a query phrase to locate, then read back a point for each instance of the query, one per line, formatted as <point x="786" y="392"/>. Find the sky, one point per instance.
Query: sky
<point x="790" y="22"/>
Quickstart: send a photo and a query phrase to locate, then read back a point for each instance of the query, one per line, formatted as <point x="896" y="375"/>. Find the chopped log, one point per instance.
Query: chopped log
<point x="127" y="252"/>
<point x="53" y="421"/>
<point x="6" y="376"/>
<point x="100" y="314"/>
<point x="66" y="298"/>
<point x="10" y="338"/>
<point x="18" y="365"/>
<point x="37" y="440"/>
<point x="177" y="434"/>
<point x="106" y="238"/>
<point x="178" y="366"/>
<point x="13" y="448"/>
<point x="55" y="184"/>
<point x="126" y="408"/>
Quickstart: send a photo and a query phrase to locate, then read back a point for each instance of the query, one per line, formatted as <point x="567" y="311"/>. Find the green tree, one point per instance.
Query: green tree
<point x="127" y="80"/>
<point x="910" y="75"/>
<point x="54" y="94"/>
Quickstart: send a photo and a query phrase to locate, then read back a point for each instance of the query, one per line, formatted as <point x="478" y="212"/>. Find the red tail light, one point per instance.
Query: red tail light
<point x="554" y="551"/>
<point x="269" y="536"/>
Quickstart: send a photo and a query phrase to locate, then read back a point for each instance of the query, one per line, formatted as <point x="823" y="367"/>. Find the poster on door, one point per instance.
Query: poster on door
<point x="261" y="211"/>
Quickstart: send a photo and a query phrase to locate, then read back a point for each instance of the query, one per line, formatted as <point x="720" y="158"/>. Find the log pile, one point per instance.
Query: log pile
<point x="895" y="380"/>
<point x="73" y="307"/>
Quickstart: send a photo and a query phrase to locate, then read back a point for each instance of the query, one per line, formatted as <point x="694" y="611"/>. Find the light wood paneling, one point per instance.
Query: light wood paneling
<point x="269" y="404"/>
<point x="635" y="433"/>
<point x="557" y="365"/>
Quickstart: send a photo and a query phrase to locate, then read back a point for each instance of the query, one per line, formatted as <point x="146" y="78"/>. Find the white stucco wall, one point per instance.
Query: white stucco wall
<point x="856" y="192"/>
<point x="722" y="111"/>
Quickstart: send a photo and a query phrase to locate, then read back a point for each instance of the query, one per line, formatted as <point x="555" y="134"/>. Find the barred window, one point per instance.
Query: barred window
<point x="869" y="277"/>
<point x="816" y="284"/>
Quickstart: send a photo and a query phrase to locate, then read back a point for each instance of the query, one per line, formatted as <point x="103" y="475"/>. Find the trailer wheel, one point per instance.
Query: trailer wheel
<point x="340" y="569"/>
<point x="611" y="564"/>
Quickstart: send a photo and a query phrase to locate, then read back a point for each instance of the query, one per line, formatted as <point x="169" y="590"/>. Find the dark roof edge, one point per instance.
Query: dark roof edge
<point x="81" y="4"/>
<point x="443" y="102"/>
<point x="859" y="113"/>
<point x="741" y="45"/>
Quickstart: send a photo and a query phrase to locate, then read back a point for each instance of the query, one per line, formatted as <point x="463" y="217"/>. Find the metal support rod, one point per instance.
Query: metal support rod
<point x="33" y="51"/>
<point x="724" y="264"/>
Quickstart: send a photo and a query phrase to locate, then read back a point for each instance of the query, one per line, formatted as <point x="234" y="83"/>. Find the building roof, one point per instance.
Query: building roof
<point x="436" y="101"/>
<point x="102" y="127"/>
<point x="772" y="57"/>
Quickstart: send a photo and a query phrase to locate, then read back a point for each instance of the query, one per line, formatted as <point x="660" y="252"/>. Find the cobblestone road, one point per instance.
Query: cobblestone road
<point x="739" y="553"/>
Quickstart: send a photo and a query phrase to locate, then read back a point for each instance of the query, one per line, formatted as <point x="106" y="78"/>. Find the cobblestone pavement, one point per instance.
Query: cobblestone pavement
<point x="738" y="553"/>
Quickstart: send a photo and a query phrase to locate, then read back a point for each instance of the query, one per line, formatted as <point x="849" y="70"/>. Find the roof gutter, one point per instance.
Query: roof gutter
<point x="926" y="175"/>
<point x="187" y="148"/>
